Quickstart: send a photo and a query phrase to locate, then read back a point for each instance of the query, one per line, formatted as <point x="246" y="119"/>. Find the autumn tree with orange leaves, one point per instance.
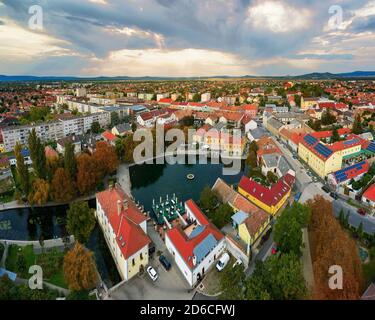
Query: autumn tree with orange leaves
<point x="62" y="186"/>
<point x="332" y="246"/>
<point x="39" y="193"/>
<point x="106" y="158"/>
<point x="89" y="173"/>
<point x="79" y="269"/>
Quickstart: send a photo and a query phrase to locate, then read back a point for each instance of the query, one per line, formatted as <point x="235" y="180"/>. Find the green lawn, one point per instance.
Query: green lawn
<point x="14" y="263"/>
<point x="51" y="263"/>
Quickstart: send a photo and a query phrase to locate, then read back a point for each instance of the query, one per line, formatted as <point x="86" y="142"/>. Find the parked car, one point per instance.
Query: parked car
<point x="223" y="261"/>
<point x="362" y="211"/>
<point x="152" y="273"/>
<point x="164" y="261"/>
<point x="334" y="195"/>
<point x="237" y="263"/>
<point x="297" y="196"/>
<point x="326" y="189"/>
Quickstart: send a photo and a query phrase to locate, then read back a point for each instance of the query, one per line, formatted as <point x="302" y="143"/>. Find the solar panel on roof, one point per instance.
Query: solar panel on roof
<point x="371" y="147"/>
<point x="310" y="140"/>
<point x="323" y="150"/>
<point x="202" y="249"/>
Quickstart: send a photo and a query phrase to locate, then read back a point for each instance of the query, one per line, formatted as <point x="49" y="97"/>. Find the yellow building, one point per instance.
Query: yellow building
<point x="253" y="227"/>
<point x="324" y="159"/>
<point x="125" y="231"/>
<point x="307" y="103"/>
<point x="268" y="199"/>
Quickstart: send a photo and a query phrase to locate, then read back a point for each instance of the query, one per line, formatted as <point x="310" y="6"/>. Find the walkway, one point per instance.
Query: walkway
<point x="308" y="272"/>
<point x="123" y="178"/>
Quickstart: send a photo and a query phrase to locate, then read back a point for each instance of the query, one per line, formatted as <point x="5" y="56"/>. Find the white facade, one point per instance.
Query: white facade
<point x="206" y="97"/>
<point x="80" y="92"/>
<point x="251" y="125"/>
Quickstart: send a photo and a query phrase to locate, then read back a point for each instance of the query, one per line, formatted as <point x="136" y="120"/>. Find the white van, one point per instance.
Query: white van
<point x="223" y="262"/>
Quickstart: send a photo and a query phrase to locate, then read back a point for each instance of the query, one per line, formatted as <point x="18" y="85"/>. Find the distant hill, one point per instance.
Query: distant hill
<point x="309" y="76"/>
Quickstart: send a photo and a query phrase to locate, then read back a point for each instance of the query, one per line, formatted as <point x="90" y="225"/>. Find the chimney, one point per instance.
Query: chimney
<point x="194" y="261"/>
<point x="119" y="207"/>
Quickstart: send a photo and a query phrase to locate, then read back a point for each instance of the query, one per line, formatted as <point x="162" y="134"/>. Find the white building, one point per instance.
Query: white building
<point x="160" y="96"/>
<point x="125" y="231"/>
<point x="206" y="97"/>
<point x="80" y="92"/>
<point x="195" y="248"/>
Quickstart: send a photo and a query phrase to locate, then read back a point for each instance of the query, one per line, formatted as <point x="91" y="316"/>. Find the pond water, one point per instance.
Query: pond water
<point x="154" y="181"/>
<point x="29" y="224"/>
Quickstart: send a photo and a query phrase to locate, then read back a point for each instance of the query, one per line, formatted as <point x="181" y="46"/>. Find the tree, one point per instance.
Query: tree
<point x="22" y="170"/>
<point x="79" y="269"/>
<point x="328" y="118"/>
<point x="39" y="193"/>
<point x="80" y="221"/>
<point x="253" y="146"/>
<point x="208" y="199"/>
<point x="106" y="158"/>
<point x="335" y="136"/>
<point x="221" y="216"/>
<point x="70" y="162"/>
<point x="95" y="127"/>
<point x="272" y="178"/>
<point x="120" y="149"/>
<point x="357" y="125"/>
<point x="62" y="187"/>
<point x="134" y="127"/>
<point x="37" y="154"/>
<point x="115" y="119"/>
<point x="252" y="159"/>
<point x="331" y="245"/>
<point x="88" y="175"/>
<point x="288" y="233"/>
<point x="279" y="278"/>
<point x="232" y="283"/>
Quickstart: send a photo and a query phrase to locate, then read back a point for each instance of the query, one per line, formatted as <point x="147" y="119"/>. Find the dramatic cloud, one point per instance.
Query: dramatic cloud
<point x="187" y="37"/>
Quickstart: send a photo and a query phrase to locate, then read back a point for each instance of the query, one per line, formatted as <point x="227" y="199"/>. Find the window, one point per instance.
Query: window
<point x="133" y="262"/>
<point x="141" y="256"/>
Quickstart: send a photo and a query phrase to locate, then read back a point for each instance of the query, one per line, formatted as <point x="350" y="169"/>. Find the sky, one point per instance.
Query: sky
<point x="185" y="37"/>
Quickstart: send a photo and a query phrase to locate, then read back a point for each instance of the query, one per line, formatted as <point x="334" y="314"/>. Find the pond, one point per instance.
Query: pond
<point x="154" y="181"/>
<point x="29" y="224"/>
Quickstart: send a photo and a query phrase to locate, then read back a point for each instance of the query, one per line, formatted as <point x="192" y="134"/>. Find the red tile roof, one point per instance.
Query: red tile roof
<point x="269" y="196"/>
<point x="109" y="136"/>
<point x="370" y="193"/>
<point x="185" y="245"/>
<point x="130" y="237"/>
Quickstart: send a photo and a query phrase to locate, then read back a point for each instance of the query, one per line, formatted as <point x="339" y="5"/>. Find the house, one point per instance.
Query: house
<point x="368" y="196"/>
<point x="125" y="231"/>
<point x="248" y="124"/>
<point x="257" y="134"/>
<point x="122" y="129"/>
<point x="196" y="247"/>
<point x="252" y="227"/>
<point x="26" y="156"/>
<point x="74" y="140"/>
<point x="109" y="137"/>
<point x="344" y="176"/>
<point x="268" y="199"/>
<point x="275" y="163"/>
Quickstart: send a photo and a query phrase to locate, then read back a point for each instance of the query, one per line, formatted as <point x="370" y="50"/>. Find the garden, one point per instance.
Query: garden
<point x="20" y="259"/>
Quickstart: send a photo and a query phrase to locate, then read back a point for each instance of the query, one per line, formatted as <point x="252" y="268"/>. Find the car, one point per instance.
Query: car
<point x="223" y="261"/>
<point x="325" y="189"/>
<point x="152" y="273"/>
<point x="295" y="157"/>
<point x="237" y="263"/>
<point x="334" y="195"/>
<point x="164" y="261"/>
<point x="362" y="211"/>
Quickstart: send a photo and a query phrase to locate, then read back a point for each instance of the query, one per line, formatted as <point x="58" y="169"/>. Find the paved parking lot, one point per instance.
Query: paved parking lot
<point x="169" y="286"/>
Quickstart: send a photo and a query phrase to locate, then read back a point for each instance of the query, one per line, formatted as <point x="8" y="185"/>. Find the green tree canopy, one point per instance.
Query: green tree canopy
<point x="80" y="221"/>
